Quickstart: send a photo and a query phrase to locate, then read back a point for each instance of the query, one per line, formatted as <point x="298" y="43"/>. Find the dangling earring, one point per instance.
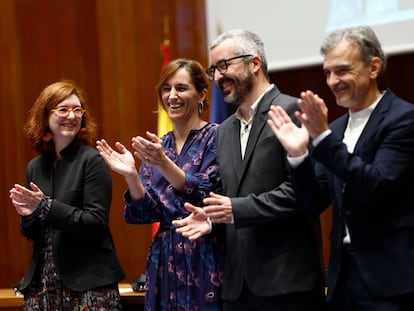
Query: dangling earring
<point x="200" y="107"/>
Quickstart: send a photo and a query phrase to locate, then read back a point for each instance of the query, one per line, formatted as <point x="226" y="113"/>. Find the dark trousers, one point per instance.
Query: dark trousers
<point x="352" y="294"/>
<point x="305" y="301"/>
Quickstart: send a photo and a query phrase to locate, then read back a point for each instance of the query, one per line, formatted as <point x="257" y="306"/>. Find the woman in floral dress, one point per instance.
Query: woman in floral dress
<point x="177" y="168"/>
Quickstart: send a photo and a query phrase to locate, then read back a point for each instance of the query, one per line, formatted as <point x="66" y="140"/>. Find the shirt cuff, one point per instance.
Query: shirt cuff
<point x="319" y="138"/>
<point x="209" y="224"/>
<point x="296" y="161"/>
<point x="44" y="207"/>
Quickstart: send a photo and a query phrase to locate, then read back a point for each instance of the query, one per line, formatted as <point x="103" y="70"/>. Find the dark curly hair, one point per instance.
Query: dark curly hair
<point x="37" y="126"/>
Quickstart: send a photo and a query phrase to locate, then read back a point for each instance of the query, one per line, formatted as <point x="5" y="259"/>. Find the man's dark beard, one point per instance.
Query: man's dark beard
<point x="242" y="87"/>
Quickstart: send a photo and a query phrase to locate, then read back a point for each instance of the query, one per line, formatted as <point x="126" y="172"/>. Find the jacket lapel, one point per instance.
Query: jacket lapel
<point x="377" y="116"/>
<point x="234" y="144"/>
<point x="259" y="122"/>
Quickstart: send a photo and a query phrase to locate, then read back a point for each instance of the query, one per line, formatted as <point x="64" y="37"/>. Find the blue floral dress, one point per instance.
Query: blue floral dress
<point x="181" y="274"/>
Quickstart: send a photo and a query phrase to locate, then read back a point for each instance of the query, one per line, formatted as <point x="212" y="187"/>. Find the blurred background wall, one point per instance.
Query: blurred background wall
<point x="112" y="49"/>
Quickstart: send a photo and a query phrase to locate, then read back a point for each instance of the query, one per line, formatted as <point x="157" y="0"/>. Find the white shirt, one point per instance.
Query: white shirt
<point x="246" y="125"/>
<point x="356" y="124"/>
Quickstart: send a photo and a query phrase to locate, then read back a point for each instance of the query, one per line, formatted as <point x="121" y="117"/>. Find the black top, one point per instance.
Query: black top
<point x="80" y="187"/>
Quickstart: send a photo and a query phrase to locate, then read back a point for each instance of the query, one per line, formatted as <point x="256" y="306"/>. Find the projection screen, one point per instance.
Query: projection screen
<point x="292" y="30"/>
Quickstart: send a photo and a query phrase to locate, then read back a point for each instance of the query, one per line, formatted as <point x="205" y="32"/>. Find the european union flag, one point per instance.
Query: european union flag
<point x="219" y="109"/>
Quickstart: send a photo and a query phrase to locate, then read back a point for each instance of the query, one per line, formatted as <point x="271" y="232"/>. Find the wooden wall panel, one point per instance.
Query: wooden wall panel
<point x="14" y="251"/>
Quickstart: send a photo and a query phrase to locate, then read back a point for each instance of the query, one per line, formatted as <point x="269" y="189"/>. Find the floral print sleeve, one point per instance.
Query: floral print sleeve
<point x="181" y="274"/>
<point x="162" y="202"/>
<point x="146" y="211"/>
<point x="199" y="183"/>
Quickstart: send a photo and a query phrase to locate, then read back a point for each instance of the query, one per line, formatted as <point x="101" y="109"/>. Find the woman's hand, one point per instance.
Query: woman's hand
<point x="194" y="225"/>
<point x="149" y="150"/>
<point x="121" y="161"/>
<point x="24" y="200"/>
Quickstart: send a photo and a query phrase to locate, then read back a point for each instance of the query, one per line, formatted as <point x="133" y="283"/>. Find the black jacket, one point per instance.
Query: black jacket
<point x="272" y="245"/>
<point x="81" y="189"/>
<point x="370" y="190"/>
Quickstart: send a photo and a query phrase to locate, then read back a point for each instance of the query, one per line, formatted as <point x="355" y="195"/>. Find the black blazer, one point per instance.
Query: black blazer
<point x="271" y="246"/>
<point x="81" y="189"/>
<point x="371" y="190"/>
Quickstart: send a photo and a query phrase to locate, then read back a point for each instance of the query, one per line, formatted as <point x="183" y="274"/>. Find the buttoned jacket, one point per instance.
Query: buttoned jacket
<point x="371" y="191"/>
<point x="80" y="187"/>
<point x="271" y="246"/>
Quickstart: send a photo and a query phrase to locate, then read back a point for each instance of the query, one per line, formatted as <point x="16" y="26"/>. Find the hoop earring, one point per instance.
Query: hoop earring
<point x="200" y="107"/>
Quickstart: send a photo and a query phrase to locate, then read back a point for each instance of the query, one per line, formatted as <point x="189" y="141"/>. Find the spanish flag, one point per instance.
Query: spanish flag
<point x="164" y="124"/>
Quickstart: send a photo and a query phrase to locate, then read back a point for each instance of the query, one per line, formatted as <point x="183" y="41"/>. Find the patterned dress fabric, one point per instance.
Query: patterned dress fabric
<point x="48" y="293"/>
<point x="181" y="274"/>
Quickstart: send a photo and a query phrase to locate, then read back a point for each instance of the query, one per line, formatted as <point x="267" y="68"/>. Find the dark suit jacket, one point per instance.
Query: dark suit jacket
<point x="371" y="190"/>
<point x="271" y="246"/>
<point x="81" y="189"/>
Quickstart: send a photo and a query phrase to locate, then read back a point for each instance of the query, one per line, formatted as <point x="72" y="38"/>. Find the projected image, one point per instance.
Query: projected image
<point x="368" y="12"/>
<point x="291" y="44"/>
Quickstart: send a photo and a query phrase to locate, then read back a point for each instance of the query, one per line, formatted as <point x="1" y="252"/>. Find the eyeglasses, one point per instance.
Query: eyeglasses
<point x="63" y="112"/>
<point x="222" y="66"/>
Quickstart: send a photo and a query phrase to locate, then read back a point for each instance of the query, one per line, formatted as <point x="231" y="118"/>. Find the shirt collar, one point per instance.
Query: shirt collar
<point x="365" y="113"/>
<point x="253" y="107"/>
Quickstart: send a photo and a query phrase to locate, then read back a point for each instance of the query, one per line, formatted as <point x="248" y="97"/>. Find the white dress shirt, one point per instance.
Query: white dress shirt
<point x="356" y="123"/>
<point x="246" y="125"/>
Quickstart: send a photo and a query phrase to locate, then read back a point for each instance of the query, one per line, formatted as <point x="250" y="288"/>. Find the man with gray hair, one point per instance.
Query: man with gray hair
<point x="364" y="167"/>
<point x="273" y="250"/>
